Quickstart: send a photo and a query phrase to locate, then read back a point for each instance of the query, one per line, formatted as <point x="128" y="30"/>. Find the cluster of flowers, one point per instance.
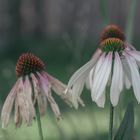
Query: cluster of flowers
<point x="115" y="64"/>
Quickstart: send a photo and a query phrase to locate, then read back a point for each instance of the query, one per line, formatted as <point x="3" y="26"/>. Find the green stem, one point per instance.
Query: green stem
<point x="37" y="113"/>
<point x="111" y="122"/>
<point x="130" y="21"/>
<point x="39" y="121"/>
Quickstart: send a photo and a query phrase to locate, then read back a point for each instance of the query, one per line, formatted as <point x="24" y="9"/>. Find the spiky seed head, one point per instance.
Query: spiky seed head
<point x="28" y="63"/>
<point x="112" y="31"/>
<point x="112" y="44"/>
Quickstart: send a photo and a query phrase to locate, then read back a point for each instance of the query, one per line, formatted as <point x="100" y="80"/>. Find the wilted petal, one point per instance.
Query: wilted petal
<point x="59" y="89"/>
<point x="54" y="106"/>
<point x="134" y="75"/>
<point x="28" y="93"/>
<point x="17" y="117"/>
<point x="117" y="80"/>
<point x="8" y="105"/>
<point x="40" y="96"/>
<point x="23" y="103"/>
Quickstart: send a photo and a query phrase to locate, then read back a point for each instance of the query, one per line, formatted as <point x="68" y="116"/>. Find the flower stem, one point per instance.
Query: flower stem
<point x="37" y="113"/>
<point x="111" y="122"/>
<point x="39" y="122"/>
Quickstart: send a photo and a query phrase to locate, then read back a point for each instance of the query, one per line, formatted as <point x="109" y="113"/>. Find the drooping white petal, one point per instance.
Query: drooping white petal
<point x="134" y="75"/>
<point x="77" y="81"/>
<point x="76" y="90"/>
<point x="129" y="46"/>
<point x="8" y="105"/>
<point x="93" y="75"/>
<point x="84" y="70"/>
<point x="126" y="69"/>
<point x="135" y="54"/>
<point x="127" y="83"/>
<point x="101" y="78"/>
<point x="101" y="101"/>
<point x="117" y="80"/>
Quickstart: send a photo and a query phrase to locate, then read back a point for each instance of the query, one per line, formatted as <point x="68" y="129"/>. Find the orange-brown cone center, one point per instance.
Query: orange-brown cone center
<point x="112" y="31"/>
<point x="28" y="63"/>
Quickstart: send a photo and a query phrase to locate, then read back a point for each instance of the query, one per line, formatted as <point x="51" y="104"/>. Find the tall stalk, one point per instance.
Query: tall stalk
<point x="37" y="114"/>
<point x="111" y="122"/>
<point x="130" y="21"/>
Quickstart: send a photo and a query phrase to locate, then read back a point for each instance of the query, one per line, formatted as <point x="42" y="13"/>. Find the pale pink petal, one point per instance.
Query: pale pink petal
<point x="84" y="70"/>
<point x="23" y="104"/>
<point x="40" y="96"/>
<point x="17" y="117"/>
<point x="54" y="106"/>
<point x="127" y="82"/>
<point x="126" y="69"/>
<point x="8" y="105"/>
<point x="93" y="76"/>
<point x="28" y="93"/>
<point x="117" y="80"/>
<point x="101" y="77"/>
<point x="129" y="46"/>
<point x="135" y="54"/>
<point x="101" y="101"/>
<point x="134" y="75"/>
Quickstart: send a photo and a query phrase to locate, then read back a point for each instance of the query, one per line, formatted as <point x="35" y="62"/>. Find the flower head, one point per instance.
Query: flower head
<point x="33" y="87"/>
<point x="115" y="64"/>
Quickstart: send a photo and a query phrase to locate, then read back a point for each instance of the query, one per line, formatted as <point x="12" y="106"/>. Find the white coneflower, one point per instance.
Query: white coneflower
<point x="32" y="87"/>
<point x="115" y="63"/>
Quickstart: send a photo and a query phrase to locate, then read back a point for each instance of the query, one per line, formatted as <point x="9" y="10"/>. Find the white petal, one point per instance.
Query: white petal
<point x="96" y="70"/>
<point x="84" y="70"/>
<point x="101" y="101"/>
<point x="91" y="76"/>
<point x="129" y="46"/>
<point x="77" y="81"/>
<point x="135" y="54"/>
<point x="127" y="82"/>
<point x="8" y="105"/>
<point x="134" y="75"/>
<point x="101" y="78"/>
<point x="117" y="80"/>
<point x="126" y="69"/>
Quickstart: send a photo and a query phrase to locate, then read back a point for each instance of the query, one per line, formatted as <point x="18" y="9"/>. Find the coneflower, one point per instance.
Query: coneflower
<point x="31" y="92"/>
<point x="115" y="63"/>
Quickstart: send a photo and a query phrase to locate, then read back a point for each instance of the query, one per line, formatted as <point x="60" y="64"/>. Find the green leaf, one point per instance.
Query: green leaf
<point x="125" y="131"/>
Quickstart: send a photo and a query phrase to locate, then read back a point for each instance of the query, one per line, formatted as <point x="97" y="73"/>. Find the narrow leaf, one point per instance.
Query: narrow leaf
<point x="125" y="131"/>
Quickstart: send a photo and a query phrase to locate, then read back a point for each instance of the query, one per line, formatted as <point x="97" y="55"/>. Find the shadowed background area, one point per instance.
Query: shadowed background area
<point x="64" y="34"/>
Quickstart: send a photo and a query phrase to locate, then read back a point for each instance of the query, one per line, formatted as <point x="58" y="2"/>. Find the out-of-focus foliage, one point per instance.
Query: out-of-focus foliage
<point x="64" y="34"/>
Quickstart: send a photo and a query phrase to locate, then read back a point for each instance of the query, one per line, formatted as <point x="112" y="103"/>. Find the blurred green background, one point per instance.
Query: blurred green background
<point x="64" y="34"/>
